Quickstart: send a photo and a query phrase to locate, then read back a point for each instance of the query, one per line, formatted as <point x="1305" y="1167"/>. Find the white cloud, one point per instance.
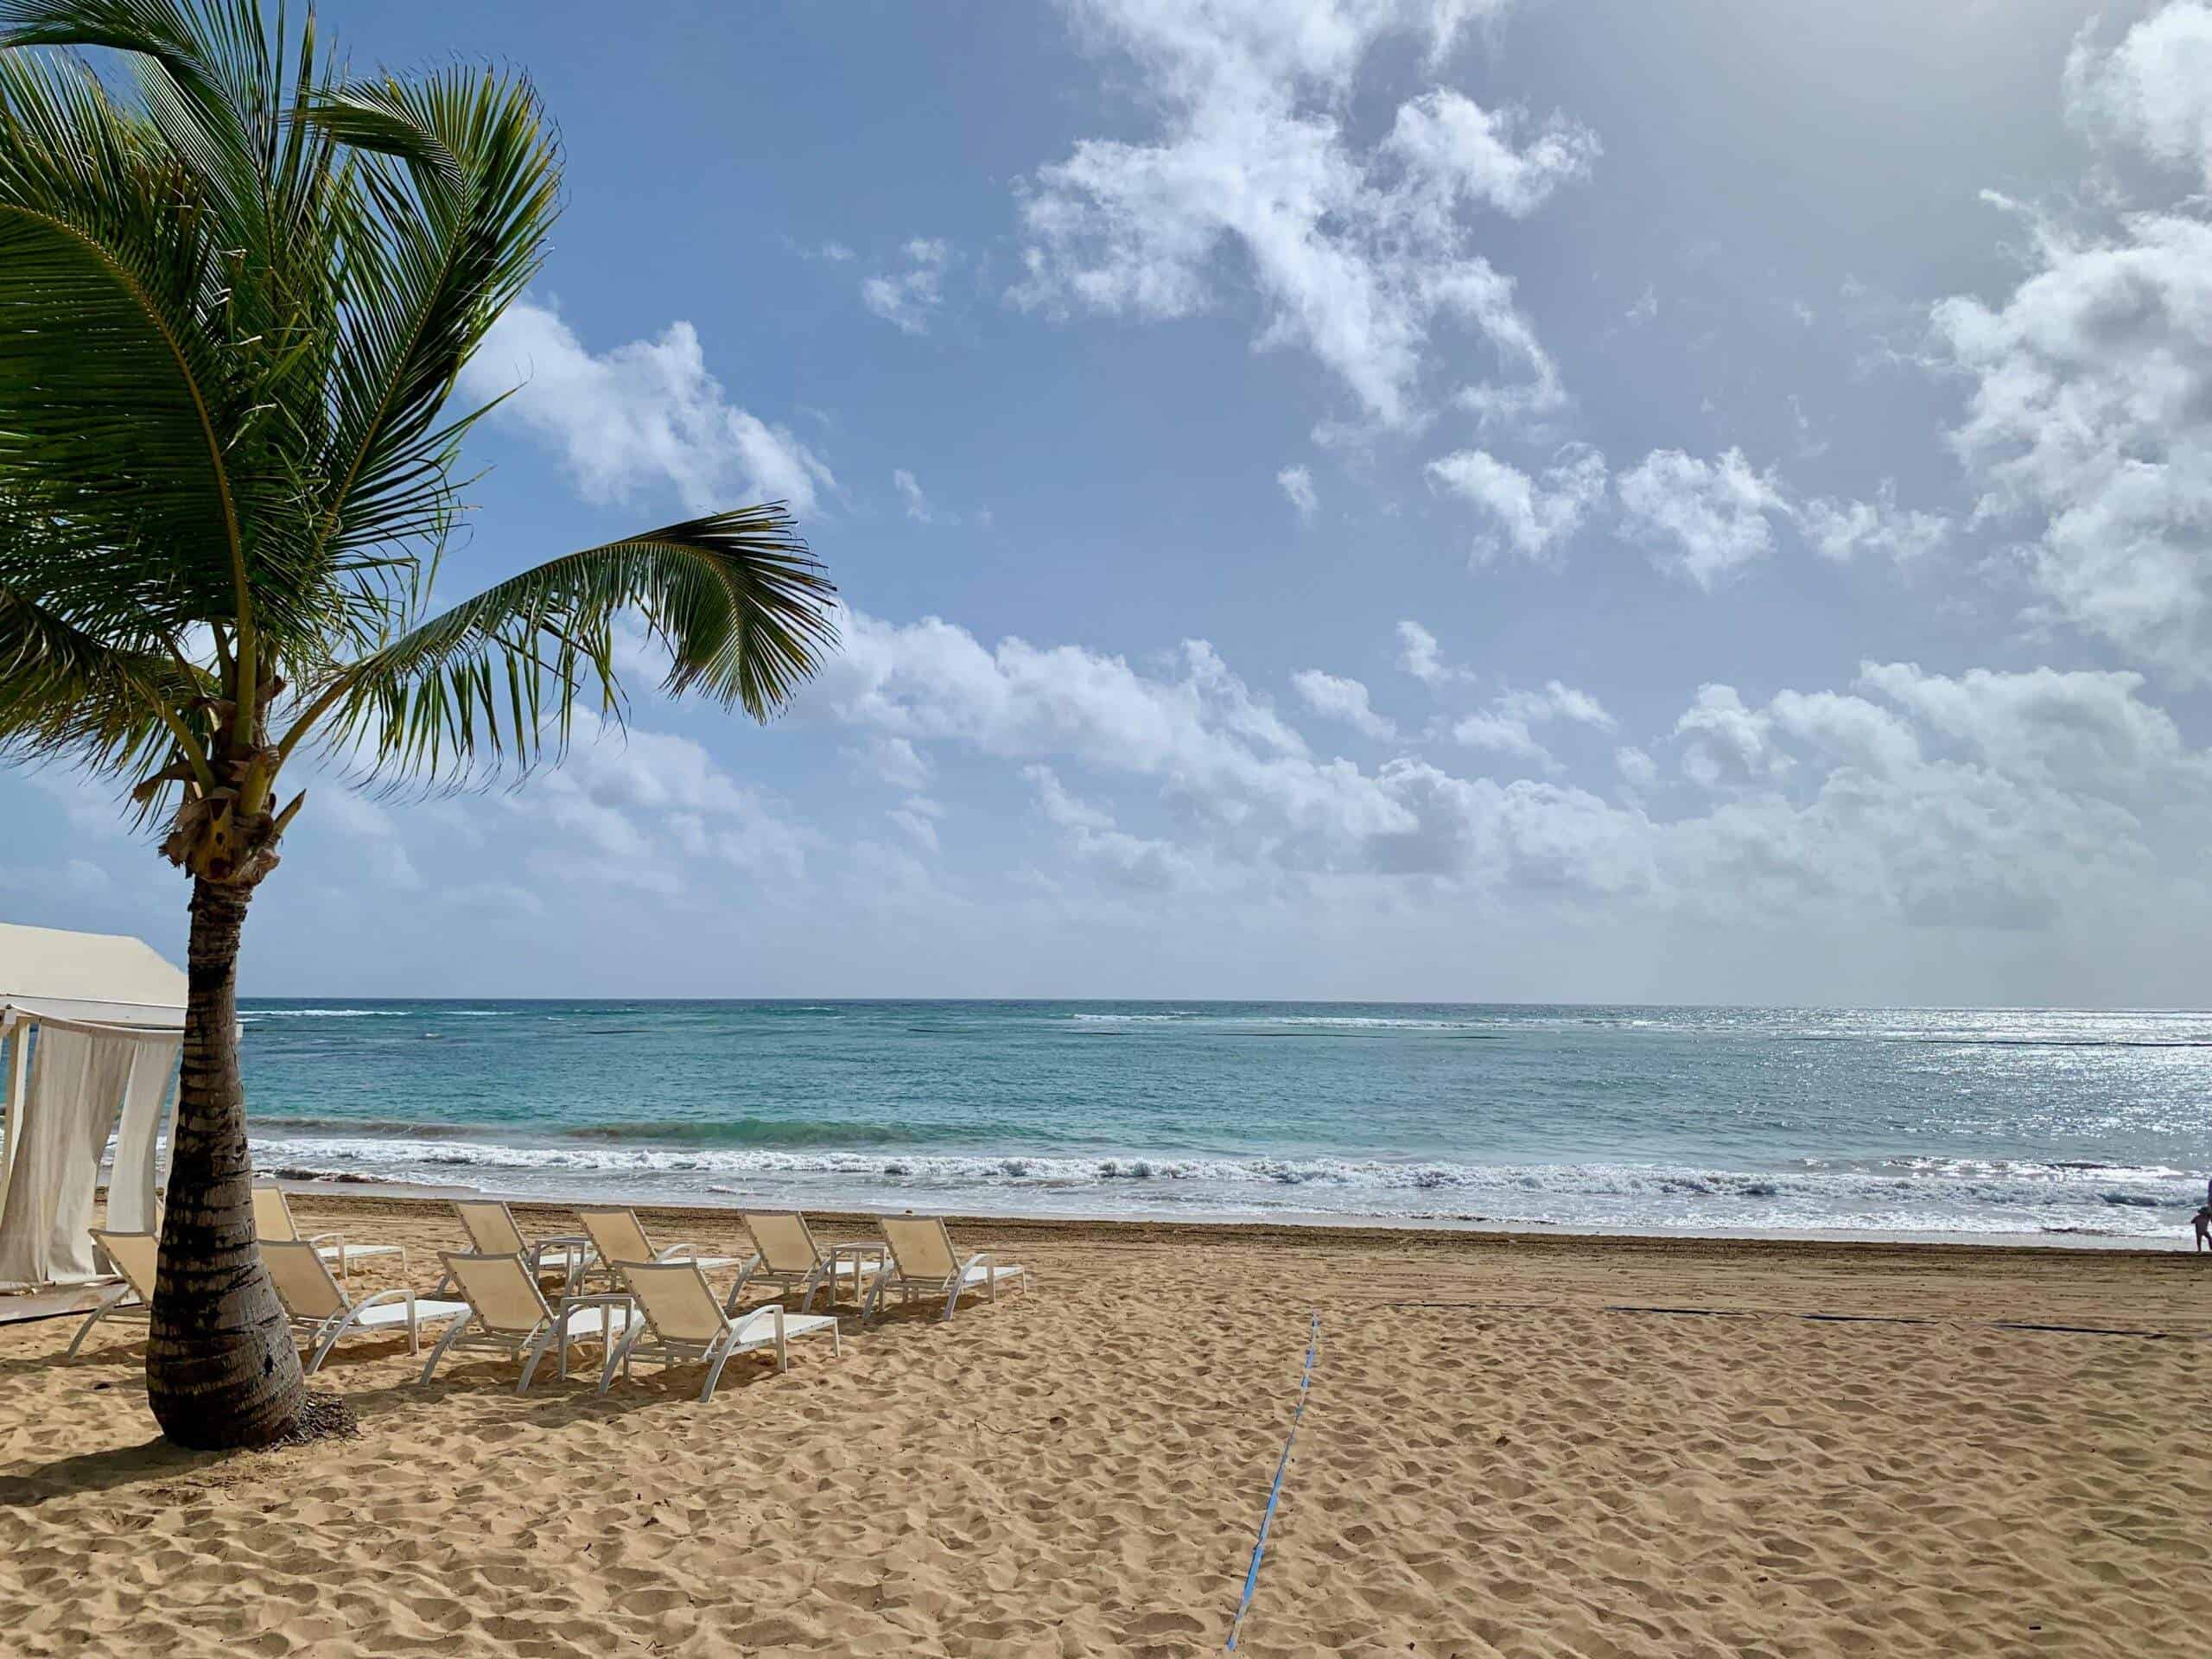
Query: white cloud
<point x="1710" y="517"/>
<point x="1646" y="305"/>
<point x="1419" y="655"/>
<point x="918" y="815"/>
<point x="2090" y="413"/>
<point x="1341" y="699"/>
<point x="1505" y="726"/>
<point x="1131" y="861"/>
<point x="638" y="799"/>
<point x="1357" y="255"/>
<point x="2152" y="92"/>
<point x="1840" y="528"/>
<point x="1456" y="151"/>
<point x="642" y="416"/>
<point x="2084" y="730"/>
<point x="369" y="823"/>
<point x="1502" y="733"/>
<point x="1298" y="487"/>
<point x="910" y="496"/>
<point x="894" y="760"/>
<point x="1533" y="517"/>
<point x="1558" y="701"/>
<point x="1725" y="743"/>
<point x="908" y="297"/>
<point x="1637" y="768"/>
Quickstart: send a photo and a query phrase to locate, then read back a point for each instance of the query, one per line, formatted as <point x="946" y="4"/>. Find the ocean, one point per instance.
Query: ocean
<point x="1975" y="1124"/>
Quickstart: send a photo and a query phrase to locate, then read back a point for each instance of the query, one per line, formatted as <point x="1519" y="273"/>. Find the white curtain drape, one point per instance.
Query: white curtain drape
<point x="131" y="1180"/>
<point x="81" y="1078"/>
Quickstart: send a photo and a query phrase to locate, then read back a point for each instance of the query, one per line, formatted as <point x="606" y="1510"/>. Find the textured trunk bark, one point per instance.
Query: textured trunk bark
<point x="220" y="1368"/>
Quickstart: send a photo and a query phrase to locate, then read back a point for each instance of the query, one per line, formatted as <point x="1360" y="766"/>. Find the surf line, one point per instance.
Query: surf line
<point x="1274" y="1491"/>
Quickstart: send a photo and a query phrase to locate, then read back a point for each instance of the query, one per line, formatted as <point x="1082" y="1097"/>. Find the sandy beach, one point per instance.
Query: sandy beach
<point x="1515" y="1447"/>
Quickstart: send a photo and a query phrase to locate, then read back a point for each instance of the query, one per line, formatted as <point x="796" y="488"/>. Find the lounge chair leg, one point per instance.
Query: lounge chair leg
<point x="951" y="1300"/>
<point x="715" y="1371"/>
<point x="619" y="1355"/>
<point x="535" y="1351"/>
<point x="448" y="1341"/>
<point x="321" y="1352"/>
<point x="86" y="1329"/>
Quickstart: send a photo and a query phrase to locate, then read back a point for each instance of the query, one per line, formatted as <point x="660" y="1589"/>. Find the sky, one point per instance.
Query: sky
<point x="1455" y="500"/>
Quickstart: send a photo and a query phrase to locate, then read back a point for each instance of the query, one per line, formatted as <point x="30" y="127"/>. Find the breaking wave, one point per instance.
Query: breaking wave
<point x="1912" y="1196"/>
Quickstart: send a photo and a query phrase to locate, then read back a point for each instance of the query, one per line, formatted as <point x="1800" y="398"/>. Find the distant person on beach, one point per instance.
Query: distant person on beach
<point x="2202" y="1221"/>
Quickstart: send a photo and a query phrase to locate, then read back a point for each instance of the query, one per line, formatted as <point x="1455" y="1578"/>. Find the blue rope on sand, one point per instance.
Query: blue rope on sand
<point x="1274" y="1492"/>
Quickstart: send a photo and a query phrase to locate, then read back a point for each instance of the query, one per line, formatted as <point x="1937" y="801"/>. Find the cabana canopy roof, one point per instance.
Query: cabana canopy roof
<point x="107" y="979"/>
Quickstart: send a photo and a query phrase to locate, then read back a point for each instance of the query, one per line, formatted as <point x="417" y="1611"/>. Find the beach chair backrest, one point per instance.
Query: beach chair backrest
<point x="135" y="1256"/>
<point x="921" y="1246"/>
<point x="785" y="1243"/>
<point x="615" y="1234"/>
<point x="491" y="1227"/>
<point x="272" y="1215"/>
<point x="303" y="1283"/>
<point x="500" y="1287"/>
<point x="676" y="1300"/>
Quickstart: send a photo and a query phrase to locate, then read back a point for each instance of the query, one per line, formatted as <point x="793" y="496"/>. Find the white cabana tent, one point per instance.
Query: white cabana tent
<point x="92" y="1024"/>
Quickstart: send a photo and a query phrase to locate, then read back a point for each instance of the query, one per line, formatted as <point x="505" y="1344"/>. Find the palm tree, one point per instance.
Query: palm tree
<point x="236" y="288"/>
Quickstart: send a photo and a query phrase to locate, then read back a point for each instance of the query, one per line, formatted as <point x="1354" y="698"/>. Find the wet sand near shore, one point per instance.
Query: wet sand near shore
<point x="1516" y="1445"/>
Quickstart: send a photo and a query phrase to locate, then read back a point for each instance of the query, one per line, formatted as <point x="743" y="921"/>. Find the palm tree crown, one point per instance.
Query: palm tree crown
<point x="236" y="288"/>
<point x="233" y="306"/>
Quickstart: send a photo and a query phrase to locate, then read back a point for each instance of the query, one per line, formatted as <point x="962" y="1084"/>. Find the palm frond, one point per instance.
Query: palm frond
<point x="741" y="605"/>
<point x="121" y="415"/>
<point x="66" y="693"/>
<point x="461" y="176"/>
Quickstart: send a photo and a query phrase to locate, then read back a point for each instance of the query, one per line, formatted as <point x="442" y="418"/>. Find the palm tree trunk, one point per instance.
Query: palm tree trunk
<point x="220" y="1368"/>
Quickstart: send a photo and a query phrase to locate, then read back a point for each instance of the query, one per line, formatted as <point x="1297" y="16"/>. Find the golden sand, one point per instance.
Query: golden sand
<point x="1494" y="1462"/>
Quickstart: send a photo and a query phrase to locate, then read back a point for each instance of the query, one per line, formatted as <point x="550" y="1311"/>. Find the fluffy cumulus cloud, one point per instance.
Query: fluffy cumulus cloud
<point x="1703" y="520"/>
<point x="1359" y="254"/>
<point x="2152" y="92"/>
<point x="2089" y="423"/>
<point x="1979" y="800"/>
<point x="634" y="805"/>
<point x="1421" y="656"/>
<point x="1840" y="530"/>
<point x="1988" y="799"/>
<point x="1532" y="516"/>
<point x="909" y="296"/>
<point x="641" y="419"/>
<point x="1336" y="698"/>
<point x="1296" y="486"/>
<point x="1505" y="726"/>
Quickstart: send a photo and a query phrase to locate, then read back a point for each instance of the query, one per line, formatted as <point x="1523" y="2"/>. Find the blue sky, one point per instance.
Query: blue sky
<point x="1480" y="499"/>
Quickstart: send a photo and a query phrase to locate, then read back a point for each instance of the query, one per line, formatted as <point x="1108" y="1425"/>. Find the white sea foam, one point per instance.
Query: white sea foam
<point x="1957" y="1196"/>
<point x="334" y="1014"/>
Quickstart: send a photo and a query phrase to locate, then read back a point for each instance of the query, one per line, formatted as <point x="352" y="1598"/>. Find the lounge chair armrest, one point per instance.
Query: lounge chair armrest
<point x="606" y="1299"/>
<point x="675" y="1252"/>
<point x="980" y="1258"/>
<point x="378" y="1299"/>
<point x="320" y="1239"/>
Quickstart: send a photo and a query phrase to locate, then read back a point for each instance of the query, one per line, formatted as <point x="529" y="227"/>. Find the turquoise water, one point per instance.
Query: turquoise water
<point x="1651" y="1119"/>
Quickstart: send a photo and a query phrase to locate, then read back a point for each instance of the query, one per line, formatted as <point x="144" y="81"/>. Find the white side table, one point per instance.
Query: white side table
<point x="862" y="1253"/>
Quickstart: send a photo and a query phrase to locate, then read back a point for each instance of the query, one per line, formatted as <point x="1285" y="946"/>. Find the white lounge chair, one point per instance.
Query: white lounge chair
<point x="273" y="1225"/>
<point x="788" y="1258"/>
<point x="490" y="1228"/>
<point x="681" y="1319"/>
<point x="135" y="1255"/>
<point x="924" y="1262"/>
<point x="617" y="1236"/>
<point x="321" y="1312"/>
<point x="508" y="1314"/>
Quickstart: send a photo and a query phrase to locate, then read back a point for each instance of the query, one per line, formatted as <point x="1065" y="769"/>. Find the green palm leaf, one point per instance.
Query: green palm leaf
<point x="742" y="606"/>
